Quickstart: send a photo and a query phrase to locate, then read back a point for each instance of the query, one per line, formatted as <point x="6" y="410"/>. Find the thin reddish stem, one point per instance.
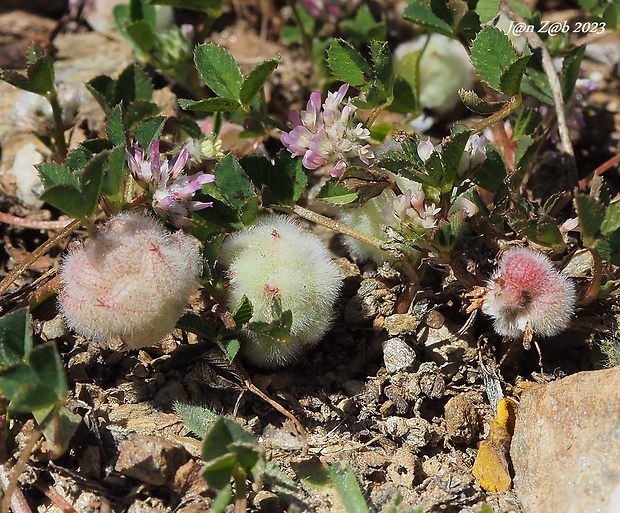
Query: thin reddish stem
<point x="35" y="224"/>
<point x="606" y="166"/>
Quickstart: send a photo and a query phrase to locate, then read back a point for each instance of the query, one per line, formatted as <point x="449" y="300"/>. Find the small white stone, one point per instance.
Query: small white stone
<point x="397" y="355"/>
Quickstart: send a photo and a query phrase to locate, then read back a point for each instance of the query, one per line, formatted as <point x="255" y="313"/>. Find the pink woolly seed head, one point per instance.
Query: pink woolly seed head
<point x="527" y="289"/>
<point x="131" y="281"/>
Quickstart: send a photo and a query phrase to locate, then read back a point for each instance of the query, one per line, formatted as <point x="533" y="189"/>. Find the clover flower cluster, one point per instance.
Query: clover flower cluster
<point x="410" y="208"/>
<point x="171" y="188"/>
<point x="329" y="10"/>
<point x="276" y="258"/>
<point x="474" y="154"/>
<point x="527" y="291"/>
<point x="33" y="113"/>
<point x="174" y="46"/>
<point x="388" y="217"/>
<point x="131" y="281"/>
<point x="327" y="135"/>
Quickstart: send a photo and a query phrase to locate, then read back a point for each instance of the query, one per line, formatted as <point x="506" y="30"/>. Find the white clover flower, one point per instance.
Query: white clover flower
<point x="211" y="147"/>
<point x="411" y="211"/>
<point x="475" y="153"/>
<point x="327" y="136"/>
<point x="426" y="149"/>
<point x="385" y="215"/>
<point x="130" y="282"/>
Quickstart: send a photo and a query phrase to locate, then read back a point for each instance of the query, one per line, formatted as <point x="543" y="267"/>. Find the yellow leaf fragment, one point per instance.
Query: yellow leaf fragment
<point x="491" y="468"/>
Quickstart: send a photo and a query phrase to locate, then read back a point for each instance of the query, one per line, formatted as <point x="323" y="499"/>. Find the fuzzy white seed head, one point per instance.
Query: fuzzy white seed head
<point x="276" y="258"/>
<point x="527" y="289"/>
<point x="131" y="281"/>
<point x="370" y="220"/>
<point x="444" y="68"/>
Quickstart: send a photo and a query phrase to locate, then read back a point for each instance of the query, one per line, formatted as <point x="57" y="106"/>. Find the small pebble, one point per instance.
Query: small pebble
<point x="397" y="355"/>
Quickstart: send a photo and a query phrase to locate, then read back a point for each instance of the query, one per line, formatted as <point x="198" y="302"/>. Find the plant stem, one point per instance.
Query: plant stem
<point x="558" y="100"/>
<point x="263" y="118"/>
<point x="17" y="500"/>
<point x="18" y="270"/>
<point x="597" y="277"/>
<point x="304" y="37"/>
<point x="605" y="166"/>
<point x="35" y="224"/>
<point x="512" y="105"/>
<point x="404" y="259"/>
<point x="45" y="291"/>
<point x="300" y="429"/>
<point x="59" y="128"/>
<point x="12" y="487"/>
<point x="338" y="227"/>
<point x="241" y="492"/>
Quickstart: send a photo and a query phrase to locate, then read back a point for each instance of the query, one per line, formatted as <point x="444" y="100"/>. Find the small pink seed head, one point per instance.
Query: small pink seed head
<point x="131" y="281"/>
<point x="527" y="289"/>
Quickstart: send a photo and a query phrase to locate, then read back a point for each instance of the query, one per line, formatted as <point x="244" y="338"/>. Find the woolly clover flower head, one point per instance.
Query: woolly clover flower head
<point x="171" y="188"/>
<point x="444" y="68"/>
<point x="327" y="136"/>
<point x="369" y="218"/>
<point x="131" y="281"/>
<point x="33" y="112"/>
<point x="276" y="259"/>
<point x="526" y="290"/>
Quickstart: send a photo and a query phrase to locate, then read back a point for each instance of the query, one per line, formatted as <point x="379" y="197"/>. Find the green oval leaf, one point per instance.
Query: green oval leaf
<point x="420" y="13"/>
<point x="336" y="193"/>
<point x="591" y="213"/>
<point x="256" y="79"/>
<point x="15" y="337"/>
<point x="149" y="130"/>
<point x="219" y="70"/>
<point x="347" y="63"/>
<point x="211" y="105"/>
<point x="491" y="53"/>
<point x="510" y="79"/>
<point x="41" y="75"/>
<point x="611" y="222"/>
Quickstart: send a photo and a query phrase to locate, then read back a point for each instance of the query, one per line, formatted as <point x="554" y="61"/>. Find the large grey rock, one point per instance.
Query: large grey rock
<point x="566" y="446"/>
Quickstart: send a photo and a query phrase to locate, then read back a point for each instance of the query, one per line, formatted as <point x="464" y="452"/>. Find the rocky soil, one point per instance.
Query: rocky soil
<point x="403" y="395"/>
